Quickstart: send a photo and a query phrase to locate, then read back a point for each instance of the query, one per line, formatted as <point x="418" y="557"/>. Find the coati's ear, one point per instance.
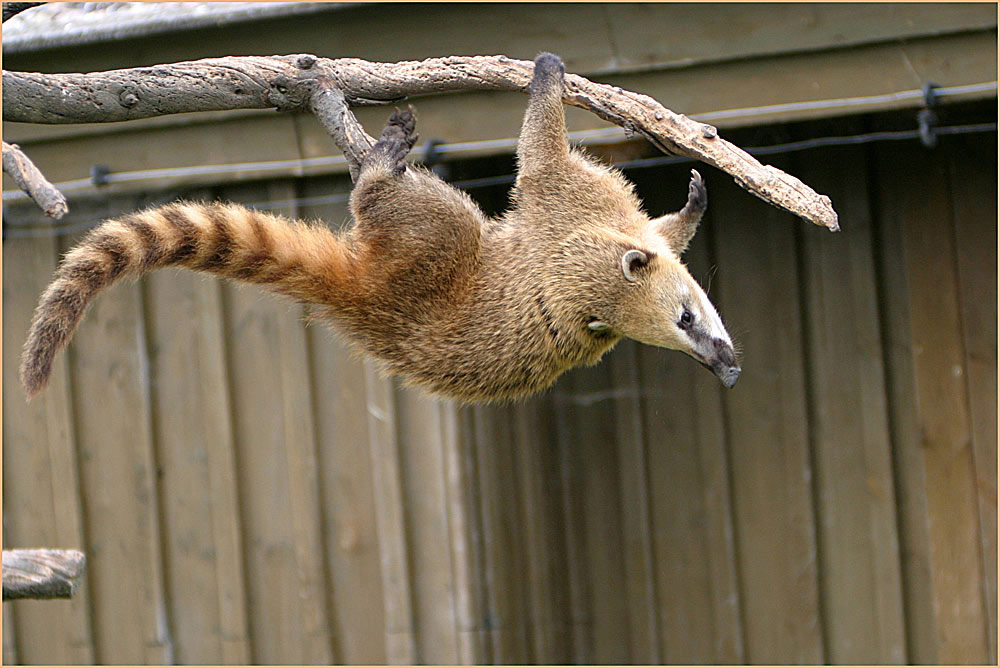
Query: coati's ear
<point x="677" y="228"/>
<point x="633" y="262"/>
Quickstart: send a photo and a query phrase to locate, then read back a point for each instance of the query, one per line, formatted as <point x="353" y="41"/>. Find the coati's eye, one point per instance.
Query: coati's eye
<point x="686" y="319"/>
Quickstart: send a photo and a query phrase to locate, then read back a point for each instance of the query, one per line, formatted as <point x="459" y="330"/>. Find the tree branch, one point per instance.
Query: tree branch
<point x="32" y="181"/>
<point x="305" y="82"/>
<point x="41" y="573"/>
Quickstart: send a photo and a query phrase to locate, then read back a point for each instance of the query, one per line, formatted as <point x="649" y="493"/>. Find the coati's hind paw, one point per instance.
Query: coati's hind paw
<point x="398" y="137"/>
<point x="549" y="71"/>
<point x="697" y="194"/>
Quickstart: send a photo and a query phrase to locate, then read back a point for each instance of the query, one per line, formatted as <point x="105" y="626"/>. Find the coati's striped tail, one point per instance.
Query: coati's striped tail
<point x="289" y="257"/>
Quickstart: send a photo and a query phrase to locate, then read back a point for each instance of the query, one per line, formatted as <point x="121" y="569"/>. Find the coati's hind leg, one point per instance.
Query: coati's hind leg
<point x="409" y="224"/>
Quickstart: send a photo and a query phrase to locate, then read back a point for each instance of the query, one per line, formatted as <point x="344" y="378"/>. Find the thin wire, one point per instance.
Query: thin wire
<point x="590" y="137"/>
<point x="30" y="230"/>
<point x="870" y="100"/>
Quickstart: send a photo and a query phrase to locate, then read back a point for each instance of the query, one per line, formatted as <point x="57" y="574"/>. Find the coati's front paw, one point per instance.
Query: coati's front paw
<point x="549" y="71"/>
<point x="398" y="137"/>
<point x="697" y="194"/>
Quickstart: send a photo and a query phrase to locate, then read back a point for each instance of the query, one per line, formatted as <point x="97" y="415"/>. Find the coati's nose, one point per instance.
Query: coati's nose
<point x="729" y="376"/>
<point x="724" y="364"/>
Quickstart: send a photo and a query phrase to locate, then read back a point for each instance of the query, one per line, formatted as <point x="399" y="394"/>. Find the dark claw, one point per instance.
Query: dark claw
<point x="697" y="194"/>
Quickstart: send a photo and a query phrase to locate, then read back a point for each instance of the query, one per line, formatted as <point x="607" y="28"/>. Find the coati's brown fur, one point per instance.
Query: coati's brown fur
<point x="466" y="306"/>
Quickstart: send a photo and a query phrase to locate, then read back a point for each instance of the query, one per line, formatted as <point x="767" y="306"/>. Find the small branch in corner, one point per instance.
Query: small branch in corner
<point x="32" y="181"/>
<point x="41" y="573"/>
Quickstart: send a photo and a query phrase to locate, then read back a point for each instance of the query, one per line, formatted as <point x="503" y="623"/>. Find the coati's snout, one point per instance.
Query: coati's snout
<point x="720" y="360"/>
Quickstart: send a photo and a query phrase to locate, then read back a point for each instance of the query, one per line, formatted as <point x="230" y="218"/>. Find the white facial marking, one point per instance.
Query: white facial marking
<point x="715" y="327"/>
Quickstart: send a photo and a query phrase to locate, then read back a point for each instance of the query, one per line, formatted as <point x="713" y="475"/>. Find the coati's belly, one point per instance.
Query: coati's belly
<point x="488" y="354"/>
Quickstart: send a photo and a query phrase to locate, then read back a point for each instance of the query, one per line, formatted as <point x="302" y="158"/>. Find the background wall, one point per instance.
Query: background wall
<point x="247" y="491"/>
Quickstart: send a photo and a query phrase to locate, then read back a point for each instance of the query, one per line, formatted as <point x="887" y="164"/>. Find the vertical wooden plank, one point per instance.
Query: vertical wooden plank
<point x="860" y="581"/>
<point x="196" y="461"/>
<point x="767" y="430"/>
<point x="355" y="597"/>
<point x="420" y="432"/>
<point x="41" y="486"/>
<point x="547" y="594"/>
<point x="908" y="459"/>
<point x="401" y="647"/>
<point x="637" y="527"/>
<point x="275" y="439"/>
<point x="710" y="438"/>
<point x="501" y="536"/>
<point x="9" y="643"/>
<point x="692" y="546"/>
<point x="917" y="191"/>
<point x="724" y="591"/>
<point x="972" y="164"/>
<point x="464" y="531"/>
<point x="593" y="454"/>
<point x="110" y="386"/>
<point x="570" y="490"/>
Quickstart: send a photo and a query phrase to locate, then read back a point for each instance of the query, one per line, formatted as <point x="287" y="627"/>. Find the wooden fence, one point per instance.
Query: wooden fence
<point x="247" y="491"/>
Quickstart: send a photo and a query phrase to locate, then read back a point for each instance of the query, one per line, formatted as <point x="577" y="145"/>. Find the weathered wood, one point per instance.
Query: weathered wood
<point x="908" y="457"/>
<point x="30" y="180"/>
<point x="203" y="556"/>
<point x="41" y="483"/>
<point x="118" y="472"/>
<point x="594" y="461"/>
<point x="275" y="454"/>
<point x="41" y="573"/>
<point x="860" y="580"/>
<point x="355" y="597"/>
<point x="383" y="442"/>
<point x="292" y="82"/>
<point x="580" y="618"/>
<point x="544" y="549"/>
<point x="941" y="409"/>
<point x="9" y="636"/>
<point x="767" y="433"/>
<point x="501" y="536"/>
<point x="680" y="529"/>
<point x="713" y="490"/>
<point x="637" y="527"/>
<point x="465" y="530"/>
<point x="974" y="206"/>
<point x="425" y="503"/>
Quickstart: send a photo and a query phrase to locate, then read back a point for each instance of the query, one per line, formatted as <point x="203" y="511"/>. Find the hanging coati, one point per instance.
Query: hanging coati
<point x="465" y="306"/>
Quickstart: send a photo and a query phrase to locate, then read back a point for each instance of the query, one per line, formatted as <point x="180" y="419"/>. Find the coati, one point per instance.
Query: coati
<point x="465" y="306"/>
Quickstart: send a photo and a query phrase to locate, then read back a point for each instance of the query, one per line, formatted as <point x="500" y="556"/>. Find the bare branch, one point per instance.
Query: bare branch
<point x="331" y="109"/>
<point x="30" y="180"/>
<point x="41" y="573"/>
<point x="11" y="9"/>
<point x="304" y="82"/>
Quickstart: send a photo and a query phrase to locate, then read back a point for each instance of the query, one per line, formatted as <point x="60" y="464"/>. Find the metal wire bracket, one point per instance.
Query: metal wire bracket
<point x="926" y="118"/>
